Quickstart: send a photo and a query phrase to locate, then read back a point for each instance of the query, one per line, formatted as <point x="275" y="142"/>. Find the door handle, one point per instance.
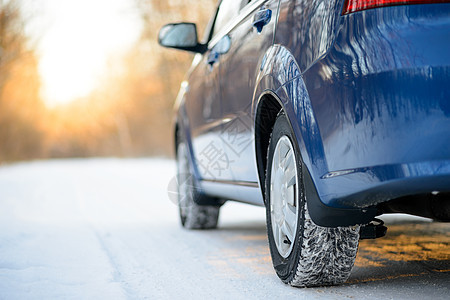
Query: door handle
<point x="212" y="58"/>
<point x="220" y="48"/>
<point x="261" y="19"/>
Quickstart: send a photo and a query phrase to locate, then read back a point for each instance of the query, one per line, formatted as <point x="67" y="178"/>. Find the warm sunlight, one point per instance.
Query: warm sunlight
<point x="76" y="39"/>
<point x="83" y="78"/>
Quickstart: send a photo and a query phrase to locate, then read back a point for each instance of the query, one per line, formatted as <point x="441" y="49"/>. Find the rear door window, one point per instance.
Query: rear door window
<point x="228" y="10"/>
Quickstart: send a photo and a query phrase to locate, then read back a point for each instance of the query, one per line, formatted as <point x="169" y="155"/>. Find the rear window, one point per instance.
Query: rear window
<point x="228" y="9"/>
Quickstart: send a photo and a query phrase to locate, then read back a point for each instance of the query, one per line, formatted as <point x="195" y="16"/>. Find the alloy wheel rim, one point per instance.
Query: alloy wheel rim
<point x="284" y="196"/>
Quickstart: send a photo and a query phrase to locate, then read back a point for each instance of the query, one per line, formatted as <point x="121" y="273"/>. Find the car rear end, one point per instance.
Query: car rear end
<point x="381" y="95"/>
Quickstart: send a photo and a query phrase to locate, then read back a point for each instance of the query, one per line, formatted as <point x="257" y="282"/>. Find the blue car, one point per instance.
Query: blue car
<point x="327" y="112"/>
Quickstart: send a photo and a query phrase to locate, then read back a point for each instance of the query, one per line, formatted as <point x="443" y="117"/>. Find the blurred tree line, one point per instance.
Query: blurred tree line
<point x="20" y="107"/>
<point x="129" y="114"/>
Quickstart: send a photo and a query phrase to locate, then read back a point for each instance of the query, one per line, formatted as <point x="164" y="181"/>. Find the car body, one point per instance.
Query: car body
<point x="364" y="87"/>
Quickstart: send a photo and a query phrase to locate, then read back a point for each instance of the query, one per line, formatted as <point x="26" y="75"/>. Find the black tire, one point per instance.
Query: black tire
<point x="192" y="215"/>
<point x="319" y="255"/>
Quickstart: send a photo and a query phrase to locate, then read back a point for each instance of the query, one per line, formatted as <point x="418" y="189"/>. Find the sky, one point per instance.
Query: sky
<point x="75" y="39"/>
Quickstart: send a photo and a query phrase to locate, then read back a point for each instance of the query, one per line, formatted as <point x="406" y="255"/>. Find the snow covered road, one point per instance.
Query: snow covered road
<point x="106" y="229"/>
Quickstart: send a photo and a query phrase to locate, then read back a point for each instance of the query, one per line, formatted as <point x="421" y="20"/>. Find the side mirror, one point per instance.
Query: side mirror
<point x="181" y="36"/>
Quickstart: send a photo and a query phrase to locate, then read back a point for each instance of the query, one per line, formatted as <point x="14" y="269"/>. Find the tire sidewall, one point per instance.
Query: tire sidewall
<point x="181" y="151"/>
<point x="285" y="267"/>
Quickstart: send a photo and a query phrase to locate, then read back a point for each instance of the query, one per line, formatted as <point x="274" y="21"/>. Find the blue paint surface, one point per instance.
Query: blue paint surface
<point x="367" y="94"/>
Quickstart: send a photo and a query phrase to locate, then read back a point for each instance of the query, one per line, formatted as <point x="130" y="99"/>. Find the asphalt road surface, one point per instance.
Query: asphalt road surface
<point x="106" y="229"/>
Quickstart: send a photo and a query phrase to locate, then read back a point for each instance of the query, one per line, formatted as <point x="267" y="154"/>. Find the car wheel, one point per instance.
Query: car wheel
<point x="303" y="253"/>
<point x="192" y="215"/>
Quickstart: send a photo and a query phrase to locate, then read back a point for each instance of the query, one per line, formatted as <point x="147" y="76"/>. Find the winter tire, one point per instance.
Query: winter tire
<point x="303" y="253"/>
<point x="192" y="215"/>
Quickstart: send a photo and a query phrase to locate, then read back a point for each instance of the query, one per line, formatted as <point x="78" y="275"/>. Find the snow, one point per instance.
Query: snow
<point x="106" y="229"/>
<point x="51" y="213"/>
<point x="100" y="229"/>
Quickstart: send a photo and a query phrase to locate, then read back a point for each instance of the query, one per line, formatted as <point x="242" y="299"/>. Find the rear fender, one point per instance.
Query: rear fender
<point x="281" y="79"/>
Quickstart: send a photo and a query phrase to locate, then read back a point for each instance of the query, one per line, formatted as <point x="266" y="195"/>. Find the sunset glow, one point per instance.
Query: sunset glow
<point x="77" y="38"/>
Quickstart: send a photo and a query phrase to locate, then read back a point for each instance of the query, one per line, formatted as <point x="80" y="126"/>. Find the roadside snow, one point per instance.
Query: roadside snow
<point x="52" y="215"/>
<point x="106" y="229"/>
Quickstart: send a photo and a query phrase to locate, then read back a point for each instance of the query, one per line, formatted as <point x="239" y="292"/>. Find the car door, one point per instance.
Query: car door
<point x="238" y="70"/>
<point x="203" y="111"/>
<point x="204" y="105"/>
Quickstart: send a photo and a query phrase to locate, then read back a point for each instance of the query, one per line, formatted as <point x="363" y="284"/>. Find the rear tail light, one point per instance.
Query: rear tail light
<point x="357" y="5"/>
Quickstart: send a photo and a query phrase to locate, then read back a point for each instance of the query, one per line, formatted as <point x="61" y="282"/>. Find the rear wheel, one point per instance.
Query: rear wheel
<point x="303" y="253"/>
<point x="192" y="215"/>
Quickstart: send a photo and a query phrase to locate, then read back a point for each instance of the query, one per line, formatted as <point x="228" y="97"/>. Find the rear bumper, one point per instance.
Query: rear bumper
<point x="371" y="186"/>
<point x="381" y="98"/>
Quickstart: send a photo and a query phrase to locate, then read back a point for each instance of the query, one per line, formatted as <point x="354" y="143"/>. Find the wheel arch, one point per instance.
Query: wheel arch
<point x="181" y="128"/>
<point x="265" y="116"/>
<point x="175" y="137"/>
<point x="281" y="88"/>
